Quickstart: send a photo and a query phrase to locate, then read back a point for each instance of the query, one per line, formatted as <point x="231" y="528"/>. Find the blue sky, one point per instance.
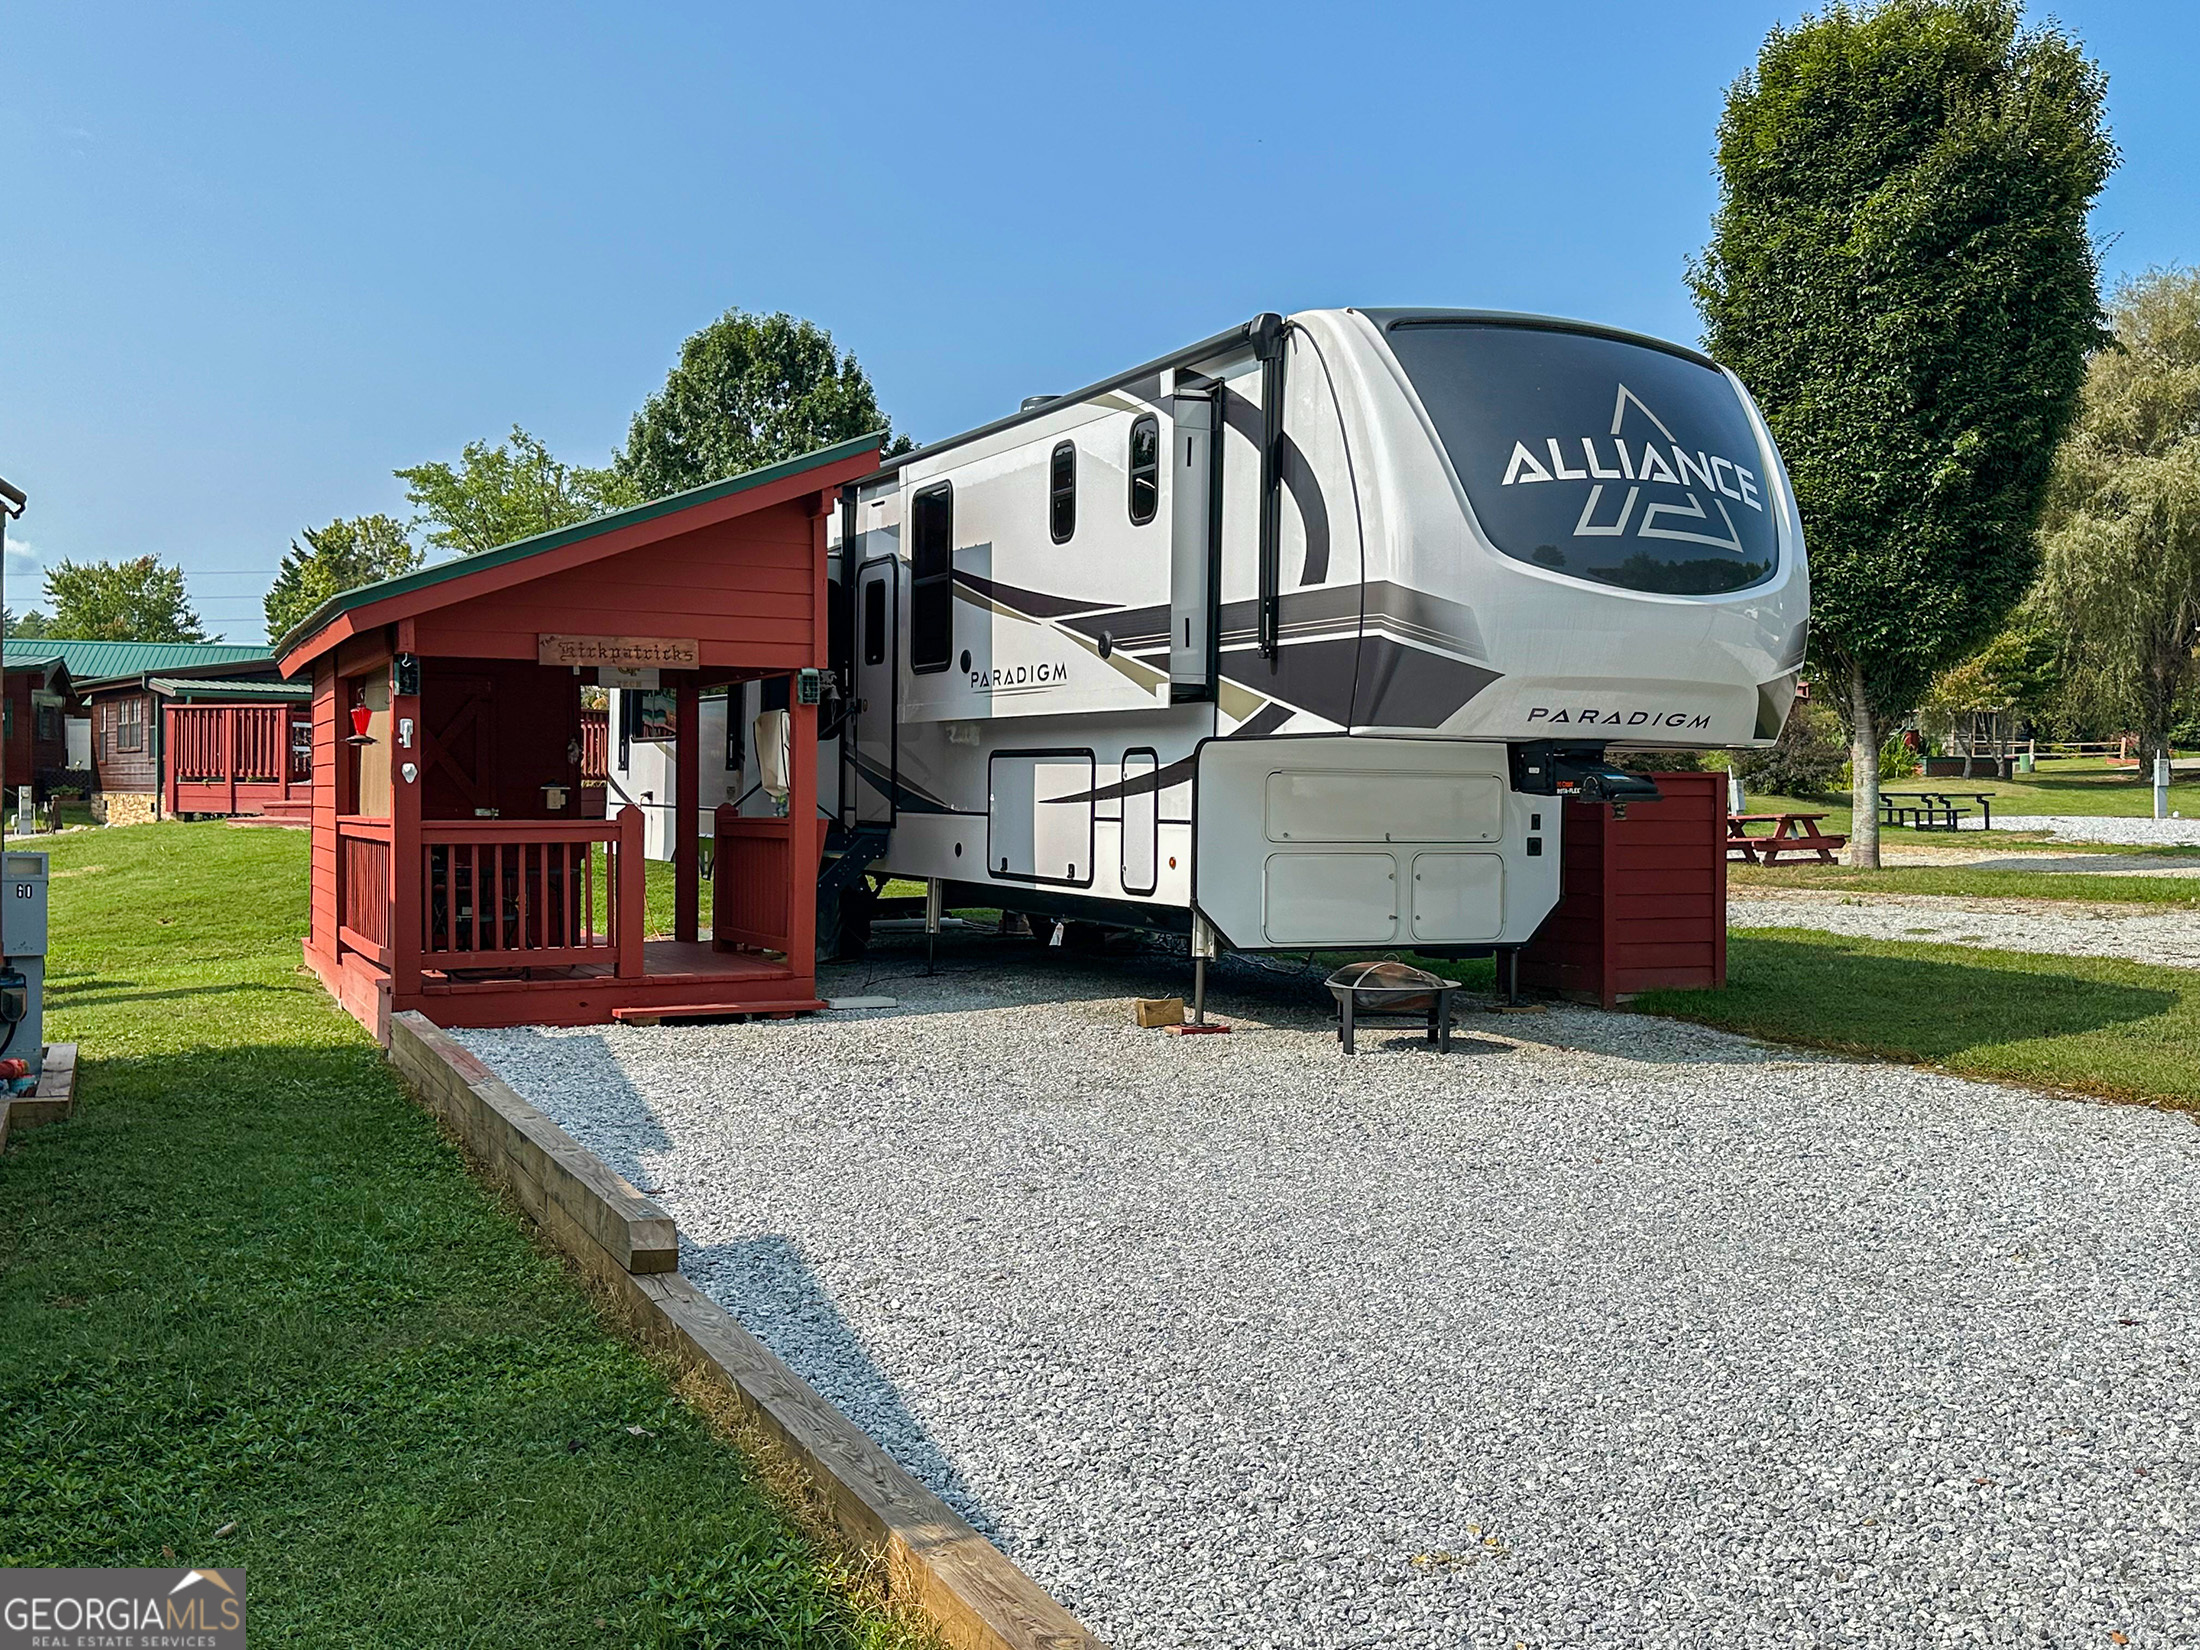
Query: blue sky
<point x="252" y="258"/>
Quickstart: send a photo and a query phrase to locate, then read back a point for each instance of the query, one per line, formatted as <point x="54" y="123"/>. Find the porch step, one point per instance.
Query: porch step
<point x="715" y="1011"/>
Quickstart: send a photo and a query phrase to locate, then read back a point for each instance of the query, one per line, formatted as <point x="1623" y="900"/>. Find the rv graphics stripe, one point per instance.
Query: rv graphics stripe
<point x="1243" y="415"/>
<point x="1407" y="657"/>
<point x="1262" y="722"/>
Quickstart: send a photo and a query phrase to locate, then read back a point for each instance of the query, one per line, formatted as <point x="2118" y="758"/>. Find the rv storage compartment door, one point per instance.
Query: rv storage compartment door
<point x="1191" y="550"/>
<point x="1039" y="817"/>
<point x="1330" y="899"/>
<point x="1385" y="807"/>
<point x="1458" y="897"/>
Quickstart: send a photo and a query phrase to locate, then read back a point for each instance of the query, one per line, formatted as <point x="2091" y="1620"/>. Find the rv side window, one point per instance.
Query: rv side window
<point x="1062" y="492"/>
<point x="1145" y="469"/>
<point x="874" y="622"/>
<point x="932" y="578"/>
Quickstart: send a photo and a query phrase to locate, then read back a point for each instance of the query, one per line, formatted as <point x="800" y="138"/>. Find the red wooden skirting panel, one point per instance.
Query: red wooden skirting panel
<point x="749" y="882"/>
<point x="1642" y="902"/>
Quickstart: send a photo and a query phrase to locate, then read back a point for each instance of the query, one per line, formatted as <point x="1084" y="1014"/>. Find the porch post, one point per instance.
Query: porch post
<point x="687" y="797"/>
<point x="164" y="769"/>
<point x="229" y="742"/>
<point x="802" y="837"/>
<point x="405" y="850"/>
<point x="630" y="911"/>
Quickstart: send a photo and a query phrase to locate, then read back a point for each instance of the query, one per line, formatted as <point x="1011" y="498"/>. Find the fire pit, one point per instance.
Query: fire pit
<point x="1392" y="990"/>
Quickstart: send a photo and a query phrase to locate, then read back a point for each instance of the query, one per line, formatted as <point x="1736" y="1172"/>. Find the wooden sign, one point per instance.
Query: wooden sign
<point x="657" y="652"/>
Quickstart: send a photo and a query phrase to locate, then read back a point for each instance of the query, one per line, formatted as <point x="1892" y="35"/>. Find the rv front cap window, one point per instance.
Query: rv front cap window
<point x="1602" y="460"/>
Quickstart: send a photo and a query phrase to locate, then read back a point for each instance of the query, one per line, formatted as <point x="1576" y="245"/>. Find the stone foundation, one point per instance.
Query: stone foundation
<point x="125" y="807"/>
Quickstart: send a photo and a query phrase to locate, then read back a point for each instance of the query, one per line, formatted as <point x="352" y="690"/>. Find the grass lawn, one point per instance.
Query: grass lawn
<point x="250" y="1286"/>
<point x="2119" y="1029"/>
<point x="1969" y="882"/>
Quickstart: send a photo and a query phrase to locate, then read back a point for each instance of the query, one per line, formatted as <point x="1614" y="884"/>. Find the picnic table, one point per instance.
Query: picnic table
<point x="1795" y="835"/>
<point x="1933" y="810"/>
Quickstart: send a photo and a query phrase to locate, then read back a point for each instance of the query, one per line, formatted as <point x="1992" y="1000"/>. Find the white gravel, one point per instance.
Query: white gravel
<point x="2066" y="928"/>
<point x="2148" y="833"/>
<point x="1602" y="1331"/>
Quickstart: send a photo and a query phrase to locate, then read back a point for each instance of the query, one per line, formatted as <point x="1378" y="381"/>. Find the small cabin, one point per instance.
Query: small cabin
<point x="459" y="865"/>
<point x="41" y="701"/>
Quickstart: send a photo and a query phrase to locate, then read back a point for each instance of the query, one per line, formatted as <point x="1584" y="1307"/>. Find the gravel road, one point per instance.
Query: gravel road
<point x="2139" y="833"/>
<point x="2060" y="927"/>
<point x="1602" y="1331"/>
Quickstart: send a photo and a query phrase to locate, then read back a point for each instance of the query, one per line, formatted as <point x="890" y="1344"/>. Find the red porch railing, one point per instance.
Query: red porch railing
<point x="363" y="887"/>
<point x="595" y="746"/>
<point x="532" y="893"/>
<point x="232" y="745"/>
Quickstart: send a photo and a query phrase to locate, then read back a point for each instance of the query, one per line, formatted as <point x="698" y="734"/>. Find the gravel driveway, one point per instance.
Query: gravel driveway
<point x="2142" y="833"/>
<point x="2059" y="927"/>
<point x="1601" y="1331"/>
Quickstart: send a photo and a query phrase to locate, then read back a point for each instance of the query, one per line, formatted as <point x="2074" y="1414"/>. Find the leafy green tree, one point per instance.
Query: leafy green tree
<point x="345" y="554"/>
<point x="141" y="600"/>
<point x="30" y="626"/>
<point x="513" y="490"/>
<point x="1900" y="270"/>
<point x="748" y="390"/>
<point x="2122" y="535"/>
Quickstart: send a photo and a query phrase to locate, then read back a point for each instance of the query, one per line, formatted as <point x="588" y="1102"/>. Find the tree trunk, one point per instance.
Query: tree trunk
<point x="1864" y="782"/>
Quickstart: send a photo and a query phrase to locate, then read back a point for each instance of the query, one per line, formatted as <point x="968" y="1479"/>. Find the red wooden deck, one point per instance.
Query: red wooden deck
<point x="235" y="759"/>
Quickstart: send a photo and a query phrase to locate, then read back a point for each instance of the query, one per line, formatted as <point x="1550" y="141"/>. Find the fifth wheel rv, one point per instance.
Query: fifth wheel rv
<point x="1294" y="639"/>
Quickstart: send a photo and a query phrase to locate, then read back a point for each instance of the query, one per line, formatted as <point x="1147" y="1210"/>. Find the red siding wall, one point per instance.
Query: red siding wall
<point x="742" y="588"/>
<point x="1642" y="904"/>
<point x="326" y="751"/>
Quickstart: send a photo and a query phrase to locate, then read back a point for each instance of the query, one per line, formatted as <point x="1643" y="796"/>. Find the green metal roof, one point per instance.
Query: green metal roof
<point x="459" y="566"/>
<point x="101" y="661"/>
<point x="202" y="687"/>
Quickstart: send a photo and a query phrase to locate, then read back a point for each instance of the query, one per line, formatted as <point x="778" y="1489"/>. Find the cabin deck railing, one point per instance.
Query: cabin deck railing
<point x="532" y="893"/>
<point x="363" y="887"/>
<point x="233" y="745"/>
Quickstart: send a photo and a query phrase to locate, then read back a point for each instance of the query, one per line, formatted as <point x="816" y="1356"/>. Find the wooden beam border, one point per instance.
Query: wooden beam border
<point x="51" y="1101"/>
<point x="930" y="1557"/>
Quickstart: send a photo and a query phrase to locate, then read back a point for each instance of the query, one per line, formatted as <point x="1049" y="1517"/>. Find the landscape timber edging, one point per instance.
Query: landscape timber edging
<point x="52" y="1100"/>
<point x="931" y="1557"/>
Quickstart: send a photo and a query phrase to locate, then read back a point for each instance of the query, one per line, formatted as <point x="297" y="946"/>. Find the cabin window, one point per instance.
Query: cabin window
<point x="1062" y="492"/>
<point x="49" y="722"/>
<point x="1145" y="469"/>
<point x="874" y="622"/>
<point x="932" y="579"/>
<point x="130" y="725"/>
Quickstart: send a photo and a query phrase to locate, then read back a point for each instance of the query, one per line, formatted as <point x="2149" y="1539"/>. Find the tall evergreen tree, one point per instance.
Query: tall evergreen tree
<point x="342" y="556"/>
<point x="1900" y="271"/>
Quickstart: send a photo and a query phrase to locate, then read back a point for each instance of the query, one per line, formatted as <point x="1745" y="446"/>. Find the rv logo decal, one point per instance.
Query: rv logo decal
<point x="1010" y="678"/>
<point x="1594" y="717"/>
<point x="1644" y="464"/>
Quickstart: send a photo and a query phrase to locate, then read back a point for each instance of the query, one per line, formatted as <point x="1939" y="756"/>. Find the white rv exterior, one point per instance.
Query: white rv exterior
<point x="1292" y="638"/>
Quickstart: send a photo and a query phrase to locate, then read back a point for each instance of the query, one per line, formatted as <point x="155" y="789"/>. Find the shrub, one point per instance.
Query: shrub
<point x="1808" y="760"/>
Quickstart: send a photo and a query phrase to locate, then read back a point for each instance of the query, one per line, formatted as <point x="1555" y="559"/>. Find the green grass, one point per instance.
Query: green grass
<point x="1971" y="883"/>
<point x="2119" y="1029"/>
<point x="250" y="1284"/>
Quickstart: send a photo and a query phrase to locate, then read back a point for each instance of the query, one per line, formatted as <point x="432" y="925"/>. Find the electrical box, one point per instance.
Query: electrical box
<point x="23" y="966"/>
<point x="809" y="687"/>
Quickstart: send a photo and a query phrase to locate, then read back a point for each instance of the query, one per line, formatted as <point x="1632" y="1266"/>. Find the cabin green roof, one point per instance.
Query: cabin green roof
<point x="366" y="595"/>
<point x="204" y="687"/>
<point x="101" y="661"/>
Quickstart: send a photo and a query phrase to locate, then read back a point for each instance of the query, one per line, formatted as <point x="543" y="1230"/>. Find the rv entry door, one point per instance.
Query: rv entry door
<point x="874" y="721"/>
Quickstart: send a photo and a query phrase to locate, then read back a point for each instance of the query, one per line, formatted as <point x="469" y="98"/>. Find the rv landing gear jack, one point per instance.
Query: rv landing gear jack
<point x="1199" y="991"/>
